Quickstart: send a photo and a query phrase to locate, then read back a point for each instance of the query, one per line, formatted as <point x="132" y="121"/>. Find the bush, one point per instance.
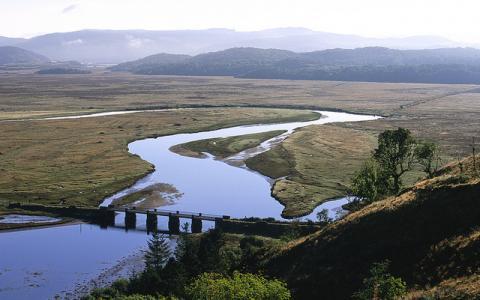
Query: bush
<point x="239" y="287"/>
<point x="381" y="285"/>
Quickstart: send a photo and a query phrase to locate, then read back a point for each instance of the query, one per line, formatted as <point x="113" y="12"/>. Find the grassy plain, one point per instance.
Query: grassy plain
<point x="224" y="147"/>
<point x="80" y="161"/>
<point x="447" y="113"/>
<point x="83" y="160"/>
<point x="318" y="162"/>
<point x="63" y="94"/>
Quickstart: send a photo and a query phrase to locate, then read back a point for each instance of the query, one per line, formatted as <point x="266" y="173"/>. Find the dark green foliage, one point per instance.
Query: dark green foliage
<point x="239" y="287"/>
<point x="158" y="252"/>
<point x="195" y="255"/>
<point x="381" y="285"/>
<point x="167" y="281"/>
<point x="293" y="232"/>
<point x="366" y="182"/>
<point x="186" y="254"/>
<point x="382" y="174"/>
<point x="209" y="251"/>
<point x="251" y="247"/>
<point x="427" y="154"/>
<point x="363" y="64"/>
<point x="395" y="154"/>
<point x="152" y="60"/>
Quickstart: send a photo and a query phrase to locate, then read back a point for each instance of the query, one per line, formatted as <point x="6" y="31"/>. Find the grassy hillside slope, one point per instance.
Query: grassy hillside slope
<point x="429" y="233"/>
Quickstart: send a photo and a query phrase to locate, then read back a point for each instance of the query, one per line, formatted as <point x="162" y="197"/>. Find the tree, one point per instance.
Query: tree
<point x="427" y="154"/>
<point x="381" y="285"/>
<point x="250" y="246"/>
<point x="365" y="183"/>
<point x="395" y="154"/>
<point x="209" y="251"/>
<point x="239" y="287"/>
<point x="185" y="228"/>
<point x="158" y="252"/>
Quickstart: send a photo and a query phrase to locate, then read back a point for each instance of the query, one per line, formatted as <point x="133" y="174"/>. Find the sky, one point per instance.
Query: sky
<point x="458" y="20"/>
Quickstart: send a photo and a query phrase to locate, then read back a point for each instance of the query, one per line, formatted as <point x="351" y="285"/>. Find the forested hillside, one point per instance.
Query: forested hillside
<point x="373" y="64"/>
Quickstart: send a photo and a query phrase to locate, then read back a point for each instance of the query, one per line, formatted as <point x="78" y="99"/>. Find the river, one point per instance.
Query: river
<point x="42" y="263"/>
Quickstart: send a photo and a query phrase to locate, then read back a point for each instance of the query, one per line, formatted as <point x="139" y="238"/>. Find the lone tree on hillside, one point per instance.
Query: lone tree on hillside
<point x="365" y="183"/>
<point x="427" y="154"/>
<point x="158" y="252"/>
<point x="395" y="154"/>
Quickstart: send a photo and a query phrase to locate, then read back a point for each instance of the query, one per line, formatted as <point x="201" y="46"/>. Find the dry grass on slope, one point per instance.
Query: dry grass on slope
<point x="427" y="233"/>
<point x="466" y="287"/>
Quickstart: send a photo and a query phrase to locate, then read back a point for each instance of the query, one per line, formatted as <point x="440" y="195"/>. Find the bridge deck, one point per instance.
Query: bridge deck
<point x="180" y="214"/>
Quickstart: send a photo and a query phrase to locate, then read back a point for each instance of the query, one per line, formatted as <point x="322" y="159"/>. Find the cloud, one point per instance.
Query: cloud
<point x="69" y="8"/>
<point x="73" y="42"/>
<point x="134" y="42"/>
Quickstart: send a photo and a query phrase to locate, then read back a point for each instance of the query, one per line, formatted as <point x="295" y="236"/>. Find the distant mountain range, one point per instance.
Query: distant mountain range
<point x="448" y="65"/>
<point x="284" y="53"/>
<point x="5" y="41"/>
<point x="115" y="46"/>
<point x="17" y="56"/>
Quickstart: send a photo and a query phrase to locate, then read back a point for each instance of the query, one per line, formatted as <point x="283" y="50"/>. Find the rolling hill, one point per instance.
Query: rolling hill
<point x="17" y="56"/>
<point x="6" y="41"/>
<point x="430" y="233"/>
<point x="152" y="60"/>
<point x="448" y="65"/>
<point x="116" y="46"/>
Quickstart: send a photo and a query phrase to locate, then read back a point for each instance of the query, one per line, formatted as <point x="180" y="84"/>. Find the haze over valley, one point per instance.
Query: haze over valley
<point x="116" y="46"/>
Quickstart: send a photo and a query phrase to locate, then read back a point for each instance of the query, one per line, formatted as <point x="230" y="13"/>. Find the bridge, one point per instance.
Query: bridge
<point x="107" y="218"/>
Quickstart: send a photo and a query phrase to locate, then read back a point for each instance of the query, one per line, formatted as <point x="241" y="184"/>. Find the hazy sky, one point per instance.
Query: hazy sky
<point x="455" y="19"/>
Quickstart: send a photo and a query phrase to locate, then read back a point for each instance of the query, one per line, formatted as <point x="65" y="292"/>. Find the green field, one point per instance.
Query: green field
<point x="317" y="162"/>
<point x="81" y="161"/>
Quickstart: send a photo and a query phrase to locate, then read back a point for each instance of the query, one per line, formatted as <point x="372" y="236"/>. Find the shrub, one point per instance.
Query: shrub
<point x="381" y="285"/>
<point x="239" y="287"/>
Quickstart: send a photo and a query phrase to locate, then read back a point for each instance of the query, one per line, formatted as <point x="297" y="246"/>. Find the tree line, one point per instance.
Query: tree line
<point x="205" y="266"/>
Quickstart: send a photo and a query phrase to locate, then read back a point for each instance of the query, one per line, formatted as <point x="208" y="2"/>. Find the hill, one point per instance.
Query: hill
<point x="429" y="233"/>
<point x="6" y="41"/>
<point x="116" y="46"/>
<point x="152" y="61"/>
<point x="372" y="64"/>
<point x="17" y="56"/>
<point x="231" y="62"/>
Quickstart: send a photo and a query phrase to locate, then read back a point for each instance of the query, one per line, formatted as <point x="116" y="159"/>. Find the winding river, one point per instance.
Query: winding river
<point x="67" y="256"/>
